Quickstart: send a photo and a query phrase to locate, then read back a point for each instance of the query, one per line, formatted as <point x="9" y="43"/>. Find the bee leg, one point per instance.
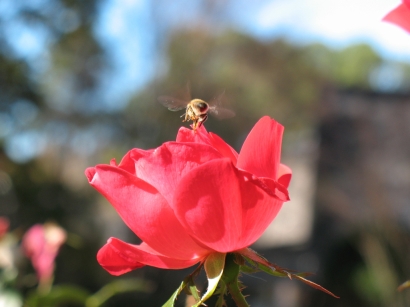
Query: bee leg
<point x="189" y="117"/>
<point x="201" y="119"/>
<point x="195" y="125"/>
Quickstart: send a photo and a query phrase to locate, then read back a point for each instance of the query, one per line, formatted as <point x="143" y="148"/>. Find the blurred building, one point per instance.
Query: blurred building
<point x="357" y="242"/>
<point x="364" y="167"/>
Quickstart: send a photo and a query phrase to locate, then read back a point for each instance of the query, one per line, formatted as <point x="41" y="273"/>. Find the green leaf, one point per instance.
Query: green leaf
<point x="188" y="281"/>
<point x="58" y="295"/>
<point x="214" y="267"/>
<point x="173" y="298"/>
<point x="117" y="287"/>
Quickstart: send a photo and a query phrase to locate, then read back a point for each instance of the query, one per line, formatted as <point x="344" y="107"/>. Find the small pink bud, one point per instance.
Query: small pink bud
<point x="41" y="244"/>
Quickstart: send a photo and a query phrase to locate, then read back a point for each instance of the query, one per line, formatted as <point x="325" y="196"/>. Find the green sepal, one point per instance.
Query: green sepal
<point x="187" y="283"/>
<point x="247" y="269"/>
<point x="173" y="298"/>
<point x="264" y="265"/>
<point x="222" y="289"/>
<point x="193" y="290"/>
<point x="254" y="267"/>
<point x="214" y="267"/>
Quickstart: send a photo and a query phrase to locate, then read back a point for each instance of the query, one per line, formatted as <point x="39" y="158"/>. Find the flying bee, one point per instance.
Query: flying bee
<point x="196" y="110"/>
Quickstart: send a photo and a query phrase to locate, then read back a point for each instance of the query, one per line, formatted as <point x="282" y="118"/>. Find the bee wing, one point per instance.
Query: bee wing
<point x="172" y="103"/>
<point x="221" y="113"/>
<point x="217" y="111"/>
<point x="216" y="101"/>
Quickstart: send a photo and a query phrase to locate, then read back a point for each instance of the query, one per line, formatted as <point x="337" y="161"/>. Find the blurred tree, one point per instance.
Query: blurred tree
<point x="349" y="67"/>
<point x="50" y="64"/>
<point x="270" y="78"/>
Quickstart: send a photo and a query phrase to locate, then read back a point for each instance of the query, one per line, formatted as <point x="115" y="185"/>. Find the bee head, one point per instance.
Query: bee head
<point x="201" y="106"/>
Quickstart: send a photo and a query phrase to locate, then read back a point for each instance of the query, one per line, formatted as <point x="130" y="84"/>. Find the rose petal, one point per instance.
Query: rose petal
<point x="127" y="163"/>
<point x="207" y="202"/>
<point x="259" y="208"/>
<point x="221" y="146"/>
<point x="271" y="187"/>
<point x="4" y="225"/>
<point x="34" y="241"/>
<point x="119" y="257"/>
<point x="400" y="16"/>
<point x="41" y="244"/>
<point x="199" y="136"/>
<point x="163" y="167"/>
<point x="144" y="211"/>
<point x="260" y="153"/>
<point x="225" y="208"/>
<point x="284" y="175"/>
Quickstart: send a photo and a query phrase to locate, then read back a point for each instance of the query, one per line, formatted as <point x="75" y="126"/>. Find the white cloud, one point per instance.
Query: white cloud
<point x="336" y="23"/>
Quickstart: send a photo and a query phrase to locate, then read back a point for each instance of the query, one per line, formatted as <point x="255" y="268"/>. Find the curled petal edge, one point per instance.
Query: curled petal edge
<point x="153" y="221"/>
<point x="284" y="175"/>
<point x="260" y="152"/>
<point x="118" y="257"/>
<point x="273" y="188"/>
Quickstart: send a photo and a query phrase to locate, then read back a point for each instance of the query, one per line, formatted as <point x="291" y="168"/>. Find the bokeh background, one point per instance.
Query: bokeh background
<point x="79" y="82"/>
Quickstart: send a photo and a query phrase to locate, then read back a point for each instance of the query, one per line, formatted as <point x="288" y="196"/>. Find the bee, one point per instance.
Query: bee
<point x="196" y="110"/>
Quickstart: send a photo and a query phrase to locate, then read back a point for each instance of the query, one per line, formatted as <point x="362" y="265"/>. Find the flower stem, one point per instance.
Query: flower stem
<point x="230" y="278"/>
<point x="237" y="296"/>
<point x="45" y="285"/>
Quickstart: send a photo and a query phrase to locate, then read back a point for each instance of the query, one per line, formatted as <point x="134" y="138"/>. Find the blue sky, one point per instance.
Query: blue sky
<point x="334" y="23"/>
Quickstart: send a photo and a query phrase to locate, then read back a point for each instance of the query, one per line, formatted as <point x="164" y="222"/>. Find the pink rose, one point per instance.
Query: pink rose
<point x="400" y="16"/>
<point x="41" y="244"/>
<point x="190" y="198"/>
<point x="4" y="226"/>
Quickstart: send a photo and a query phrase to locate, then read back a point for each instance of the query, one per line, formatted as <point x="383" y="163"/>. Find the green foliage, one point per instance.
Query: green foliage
<point x="77" y="296"/>
<point x="354" y="64"/>
<point x="188" y="284"/>
<point x="115" y="288"/>
<point x="58" y="296"/>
